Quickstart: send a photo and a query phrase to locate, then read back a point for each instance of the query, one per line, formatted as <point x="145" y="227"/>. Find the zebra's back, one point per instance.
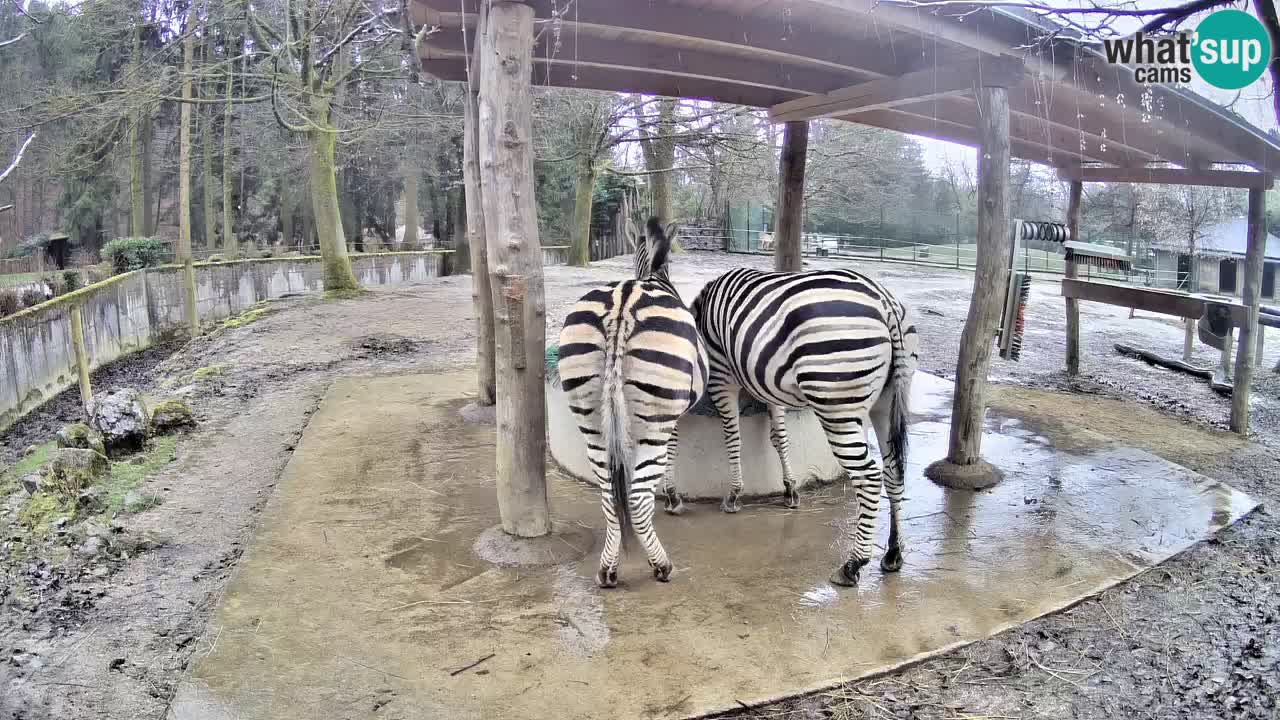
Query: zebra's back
<point x="799" y="339"/>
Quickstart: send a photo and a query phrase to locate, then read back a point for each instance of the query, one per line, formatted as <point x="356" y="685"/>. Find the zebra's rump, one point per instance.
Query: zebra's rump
<point x="662" y="357"/>
<point x="796" y="339"/>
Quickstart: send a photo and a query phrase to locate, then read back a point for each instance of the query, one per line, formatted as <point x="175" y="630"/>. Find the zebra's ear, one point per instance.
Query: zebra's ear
<point x="673" y="232"/>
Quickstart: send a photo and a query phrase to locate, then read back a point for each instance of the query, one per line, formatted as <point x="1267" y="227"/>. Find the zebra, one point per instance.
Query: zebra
<point x="834" y="341"/>
<point x="631" y="363"/>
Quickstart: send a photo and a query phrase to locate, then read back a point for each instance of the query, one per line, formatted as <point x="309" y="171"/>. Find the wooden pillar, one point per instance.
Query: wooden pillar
<point x="481" y="293"/>
<point x="1252" y="297"/>
<point x="1189" y="339"/>
<point x="82" y="356"/>
<point x="964" y="467"/>
<point x="789" y="220"/>
<point x="505" y="129"/>
<point x="1073" y="305"/>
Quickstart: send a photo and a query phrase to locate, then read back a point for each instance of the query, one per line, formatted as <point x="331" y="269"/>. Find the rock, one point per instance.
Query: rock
<point x="80" y="435"/>
<point x="73" y="470"/>
<point x="91" y="547"/>
<point x="30" y="450"/>
<point x="91" y="501"/>
<point x="170" y="416"/>
<point x="122" y="418"/>
<point x="30" y="483"/>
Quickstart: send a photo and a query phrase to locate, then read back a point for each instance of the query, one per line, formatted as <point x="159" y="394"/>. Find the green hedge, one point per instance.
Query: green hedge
<point x="135" y="253"/>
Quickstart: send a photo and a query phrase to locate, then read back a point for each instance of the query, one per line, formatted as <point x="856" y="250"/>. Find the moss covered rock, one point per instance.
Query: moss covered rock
<point x="80" y="435"/>
<point x="72" y="471"/>
<point x="171" y="416"/>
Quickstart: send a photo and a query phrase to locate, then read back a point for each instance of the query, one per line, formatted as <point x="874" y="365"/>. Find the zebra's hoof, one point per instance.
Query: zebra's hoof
<point x="892" y="560"/>
<point x="607" y="577"/>
<point x="662" y="573"/>
<point x="847" y="574"/>
<point x="731" y="504"/>
<point x="791" y="498"/>
<point x="674" y="504"/>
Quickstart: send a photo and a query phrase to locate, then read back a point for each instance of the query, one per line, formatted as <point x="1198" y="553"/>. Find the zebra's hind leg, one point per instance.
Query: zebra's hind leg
<point x="778" y="435"/>
<point x="607" y="575"/>
<point x="725" y="398"/>
<point x="893" y="483"/>
<point x="674" y="503"/>
<point x="651" y="462"/>
<point x="848" y="439"/>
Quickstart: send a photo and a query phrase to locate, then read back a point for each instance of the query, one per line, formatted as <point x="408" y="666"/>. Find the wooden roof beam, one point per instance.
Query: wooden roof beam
<point x="942" y="129"/>
<point x="912" y="87"/>
<point x="680" y="26"/>
<point x="1170" y="176"/>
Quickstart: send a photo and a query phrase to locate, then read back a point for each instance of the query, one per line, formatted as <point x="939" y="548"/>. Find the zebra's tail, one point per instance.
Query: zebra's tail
<point x="617" y="433"/>
<point x="901" y="369"/>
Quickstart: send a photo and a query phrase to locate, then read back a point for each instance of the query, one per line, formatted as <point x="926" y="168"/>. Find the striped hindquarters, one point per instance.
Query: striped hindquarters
<point x="823" y="338"/>
<point x="653" y="334"/>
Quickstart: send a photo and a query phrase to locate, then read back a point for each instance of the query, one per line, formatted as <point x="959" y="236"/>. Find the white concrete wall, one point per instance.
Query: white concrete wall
<point x="129" y="312"/>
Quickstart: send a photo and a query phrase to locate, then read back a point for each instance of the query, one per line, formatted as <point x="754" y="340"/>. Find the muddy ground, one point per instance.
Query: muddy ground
<point x="1197" y="637"/>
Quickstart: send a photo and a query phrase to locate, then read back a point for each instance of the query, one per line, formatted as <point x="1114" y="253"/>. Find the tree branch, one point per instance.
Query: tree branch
<point x="17" y="158"/>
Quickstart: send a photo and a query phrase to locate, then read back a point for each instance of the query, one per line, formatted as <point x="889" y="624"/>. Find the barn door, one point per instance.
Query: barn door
<point x="1227" y="277"/>
<point x="1269" y="280"/>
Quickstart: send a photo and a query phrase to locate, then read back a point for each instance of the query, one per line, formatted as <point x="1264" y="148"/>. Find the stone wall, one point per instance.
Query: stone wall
<point x="131" y="311"/>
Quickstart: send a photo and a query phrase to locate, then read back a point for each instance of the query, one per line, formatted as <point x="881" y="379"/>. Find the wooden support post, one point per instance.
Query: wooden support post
<point x="82" y="356"/>
<point x="790" y="216"/>
<point x="1261" y="345"/>
<point x="963" y="467"/>
<point x="1188" y="341"/>
<point x="505" y="129"/>
<point x="1252" y="298"/>
<point x="1227" y="348"/>
<point x="481" y="293"/>
<point x="1073" y="305"/>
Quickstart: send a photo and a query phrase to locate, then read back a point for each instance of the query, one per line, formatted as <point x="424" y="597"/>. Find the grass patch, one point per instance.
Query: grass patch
<point x="15" y="279"/>
<point x="127" y="475"/>
<point x="209" y="371"/>
<point x="335" y="295"/>
<point x="40" y="511"/>
<point x="245" y="318"/>
<point x="29" y="463"/>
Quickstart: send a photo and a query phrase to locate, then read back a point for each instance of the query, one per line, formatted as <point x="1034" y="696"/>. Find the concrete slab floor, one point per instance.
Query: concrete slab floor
<point x="366" y="595"/>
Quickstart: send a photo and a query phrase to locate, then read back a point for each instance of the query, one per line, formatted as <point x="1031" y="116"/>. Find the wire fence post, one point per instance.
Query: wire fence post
<point x="957" y="241"/>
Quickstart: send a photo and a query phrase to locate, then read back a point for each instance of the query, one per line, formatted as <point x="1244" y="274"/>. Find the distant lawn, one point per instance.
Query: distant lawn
<point x="18" y="279"/>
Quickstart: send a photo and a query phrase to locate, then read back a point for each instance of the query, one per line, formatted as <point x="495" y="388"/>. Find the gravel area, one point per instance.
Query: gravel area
<point x="1197" y="637"/>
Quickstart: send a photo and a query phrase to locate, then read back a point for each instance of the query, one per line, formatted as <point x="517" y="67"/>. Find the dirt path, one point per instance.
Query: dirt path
<point x="1197" y="637"/>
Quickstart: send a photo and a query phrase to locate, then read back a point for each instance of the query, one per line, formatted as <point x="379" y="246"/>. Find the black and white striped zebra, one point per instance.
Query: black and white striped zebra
<point x="631" y="363"/>
<point x="834" y="341"/>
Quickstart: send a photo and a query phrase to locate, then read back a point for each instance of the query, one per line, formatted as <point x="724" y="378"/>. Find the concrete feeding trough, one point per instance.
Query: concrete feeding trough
<point x="702" y="465"/>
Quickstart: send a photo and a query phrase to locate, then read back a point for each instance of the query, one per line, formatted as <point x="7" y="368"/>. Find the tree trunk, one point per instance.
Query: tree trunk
<point x="790" y="216"/>
<point x="1251" y="297"/>
<point x="410" y="207"/>
<point x="1073" y="306"/>
<point x="230" y="242"/>
<point x="324" y="202"/>
<point x="461" y="258"/>
<point x="481" y="294"/>
<point x="287" y="207"/>
<point x="580" y="234"/>
<point x="206" y="192"/>
<point x="149" y="205"/>
<point x="137" y="197"/>
<point x="184" y="182"/>
<point x="511" y="218"/>
<point x="990" y="277"/>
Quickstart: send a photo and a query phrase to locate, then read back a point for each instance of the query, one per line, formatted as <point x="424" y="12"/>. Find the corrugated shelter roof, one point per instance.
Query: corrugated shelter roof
<point x="1068" y="106"/>
<point x="1227" y="238"/>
